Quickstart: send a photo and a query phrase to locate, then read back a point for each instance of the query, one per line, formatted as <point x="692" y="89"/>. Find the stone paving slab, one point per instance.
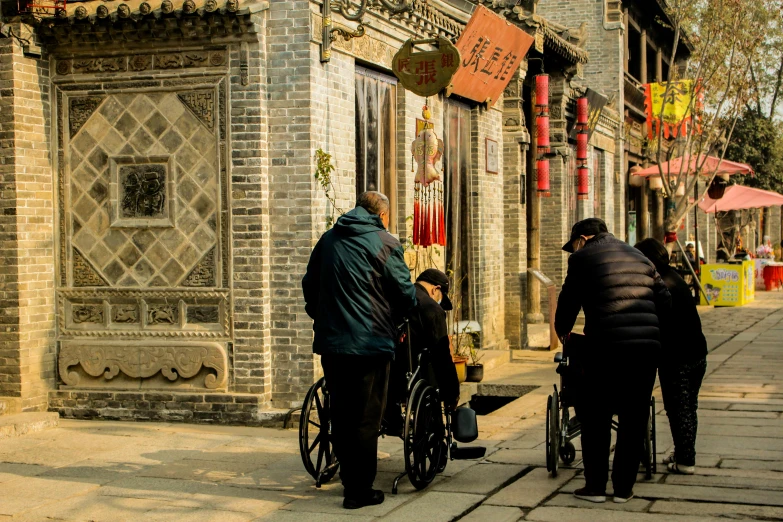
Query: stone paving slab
<point x="565" y="514"/>
<point x="482" y="478"/>
<point x="530" y="490"/>
<point x="708" y="494"/>
<point x="569" y="500"/>
<point x="435" y="506"/>
<point x="716" y="510"/>
<point x="493" y="514"/>
<point x="726" y="481"/>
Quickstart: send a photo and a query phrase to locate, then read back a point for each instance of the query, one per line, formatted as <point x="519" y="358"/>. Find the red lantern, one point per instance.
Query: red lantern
<point x="581" y="111"/>
<point x="542" y="92"/>
<point x="581" y="146"/>
<point x="582" y="182"/>
<point x="542" y="134"/>
<point x="542" y="167"/>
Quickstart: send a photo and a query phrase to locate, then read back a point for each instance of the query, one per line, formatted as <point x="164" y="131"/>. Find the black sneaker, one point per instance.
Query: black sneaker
<point x="590" y="496"/>
<point x="371" y="498"/>
<point x="622" y="499"/>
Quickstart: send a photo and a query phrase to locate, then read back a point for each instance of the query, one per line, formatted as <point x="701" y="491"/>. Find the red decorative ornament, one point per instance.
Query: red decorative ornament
<point x="542" y="91"/>
<point x="428" y="215"/>
<point x="581" y="111"/>
<point x="542" y="134"/>
<point x="581" y="146"/>
<point x="582" y="182"/>
<point x="542" y="167"/>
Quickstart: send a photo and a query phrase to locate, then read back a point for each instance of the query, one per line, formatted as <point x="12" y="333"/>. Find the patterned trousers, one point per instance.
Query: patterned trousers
<point x="680" y="389"/>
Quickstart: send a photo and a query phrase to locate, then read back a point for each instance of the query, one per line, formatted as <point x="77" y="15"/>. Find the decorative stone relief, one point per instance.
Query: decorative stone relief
<point x="201" y="103"/>
<point x="87" y="313"/>
<point x="125" y="313"/>
<point x="195" y="59"/>
<point x="162" y="314"/>
<point x="143" y="191"/>
<point x="203" y="275"/>
<point x="175" y="361"/>
<point x="203" y="314"/>
<point x="83" y="272"/>
<point x="168" y="61"/>
<point x="80" y="110"/>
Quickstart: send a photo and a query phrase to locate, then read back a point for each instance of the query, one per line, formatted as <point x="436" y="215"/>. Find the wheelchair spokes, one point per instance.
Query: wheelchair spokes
<point x="315" y="444"/>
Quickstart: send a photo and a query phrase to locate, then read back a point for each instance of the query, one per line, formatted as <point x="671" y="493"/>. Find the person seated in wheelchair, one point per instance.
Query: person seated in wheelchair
<point x="428" y="331"/>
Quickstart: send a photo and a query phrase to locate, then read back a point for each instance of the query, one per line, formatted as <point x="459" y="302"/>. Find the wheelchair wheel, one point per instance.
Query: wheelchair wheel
<point x="315" y="445"/>
<point x="649" y="444"/>
<point x="552" y="433"/>
<point x="423" y="438"/>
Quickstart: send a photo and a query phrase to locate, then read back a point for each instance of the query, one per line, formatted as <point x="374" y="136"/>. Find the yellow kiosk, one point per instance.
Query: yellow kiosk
<point x="728" y="284"/>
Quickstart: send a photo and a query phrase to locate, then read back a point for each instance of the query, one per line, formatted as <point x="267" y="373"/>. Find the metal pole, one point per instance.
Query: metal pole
<point x="696" y="228"/>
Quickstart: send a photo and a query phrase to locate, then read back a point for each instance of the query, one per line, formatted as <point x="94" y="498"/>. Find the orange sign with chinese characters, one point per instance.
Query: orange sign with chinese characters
<point x="492" y="49"/>
<point x="426" y="73"/>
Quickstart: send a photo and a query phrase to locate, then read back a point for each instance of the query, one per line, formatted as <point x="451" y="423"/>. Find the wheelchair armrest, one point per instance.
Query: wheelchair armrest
<point x="559" y="357"/>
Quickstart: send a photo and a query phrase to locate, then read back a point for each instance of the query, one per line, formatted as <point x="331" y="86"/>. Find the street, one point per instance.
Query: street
<point x="113" y="471"/>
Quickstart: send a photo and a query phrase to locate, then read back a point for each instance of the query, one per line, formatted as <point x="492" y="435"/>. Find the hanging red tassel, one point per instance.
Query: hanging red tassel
<point x="425" y="239"/>
<point x="441" y="221"/>
<point x="416" y="216"/>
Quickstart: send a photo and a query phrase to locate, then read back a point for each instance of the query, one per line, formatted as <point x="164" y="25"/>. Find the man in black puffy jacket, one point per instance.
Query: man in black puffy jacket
<point x="621" y="295"/>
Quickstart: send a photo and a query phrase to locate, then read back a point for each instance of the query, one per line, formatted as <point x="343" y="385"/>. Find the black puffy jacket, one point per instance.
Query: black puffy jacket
<point x="621" y="294"/>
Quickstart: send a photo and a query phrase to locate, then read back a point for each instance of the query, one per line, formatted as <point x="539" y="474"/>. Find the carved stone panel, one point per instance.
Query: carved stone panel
<point x="172" y="365"/>
<point x="80" y="110"/>
<point x="143" y="173"/>
<point x="203" y="314"/>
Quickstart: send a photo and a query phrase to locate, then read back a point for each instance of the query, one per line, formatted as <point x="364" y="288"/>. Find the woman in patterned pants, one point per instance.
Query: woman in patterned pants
<point x="683" y="360"/>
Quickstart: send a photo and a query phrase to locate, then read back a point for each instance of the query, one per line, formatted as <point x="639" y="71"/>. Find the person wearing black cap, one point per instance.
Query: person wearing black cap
<point x="428" y="330"/>
<point x="622" y="296"/>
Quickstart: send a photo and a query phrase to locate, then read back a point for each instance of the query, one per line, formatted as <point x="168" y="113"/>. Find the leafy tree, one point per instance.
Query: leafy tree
<point x="758" y="141"/>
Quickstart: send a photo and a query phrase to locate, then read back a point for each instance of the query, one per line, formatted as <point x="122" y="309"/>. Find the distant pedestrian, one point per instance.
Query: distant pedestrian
<point x="356" y="289"/>
<point x="621" y="295"/>
<point x="683" y="361"/>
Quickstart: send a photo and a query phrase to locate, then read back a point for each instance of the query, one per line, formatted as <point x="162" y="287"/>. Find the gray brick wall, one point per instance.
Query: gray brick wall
<point x="27" y="347"/>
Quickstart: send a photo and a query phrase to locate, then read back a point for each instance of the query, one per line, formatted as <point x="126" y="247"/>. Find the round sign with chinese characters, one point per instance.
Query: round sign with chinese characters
<point x="426" y="73"/>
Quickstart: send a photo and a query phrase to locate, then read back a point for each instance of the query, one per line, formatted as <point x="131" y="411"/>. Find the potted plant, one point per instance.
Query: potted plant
<point x="475" y="370"/>
<point x="458" y="356"/>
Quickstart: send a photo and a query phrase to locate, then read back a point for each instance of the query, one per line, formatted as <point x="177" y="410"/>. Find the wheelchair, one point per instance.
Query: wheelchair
<point x="428" y="442"/>
<point x="562" y="428"/>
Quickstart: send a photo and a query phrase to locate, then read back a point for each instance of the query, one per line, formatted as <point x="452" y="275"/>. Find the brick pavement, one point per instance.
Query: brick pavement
<point x="156" y="471"/>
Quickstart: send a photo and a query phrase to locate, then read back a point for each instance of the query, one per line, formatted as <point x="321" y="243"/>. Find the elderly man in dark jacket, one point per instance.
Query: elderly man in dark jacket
<point x="622" y="295"/>
<point x="356" y="288"/>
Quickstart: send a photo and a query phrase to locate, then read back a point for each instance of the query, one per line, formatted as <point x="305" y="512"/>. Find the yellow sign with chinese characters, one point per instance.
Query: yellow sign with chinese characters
<point x="675" y="112"/>
<point x="426" y="73"/>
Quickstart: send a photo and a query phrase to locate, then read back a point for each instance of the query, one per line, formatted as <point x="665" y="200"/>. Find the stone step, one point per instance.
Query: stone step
<point x="9" y="405"/>
<point x="21" y="423"/>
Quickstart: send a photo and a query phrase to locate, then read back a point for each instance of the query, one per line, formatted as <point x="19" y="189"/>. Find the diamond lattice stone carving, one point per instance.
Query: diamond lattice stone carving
<point x="155" y="223"/>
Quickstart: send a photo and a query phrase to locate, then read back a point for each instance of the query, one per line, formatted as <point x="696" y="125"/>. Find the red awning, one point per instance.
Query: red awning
<point x="738" y="197"/>
<point x="710" y="165"/>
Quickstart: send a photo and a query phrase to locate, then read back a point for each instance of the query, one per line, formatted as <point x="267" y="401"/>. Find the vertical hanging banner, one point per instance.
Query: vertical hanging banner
<point x="595" y="105"/>
<point x="491" y="49"/>
<point x="674" y="113"/>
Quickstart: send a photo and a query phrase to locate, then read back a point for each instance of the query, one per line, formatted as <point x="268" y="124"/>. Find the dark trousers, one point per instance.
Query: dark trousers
<point x="625" y="392"/>
<point x="357" y="386"/>
<point x="680" y="386"/>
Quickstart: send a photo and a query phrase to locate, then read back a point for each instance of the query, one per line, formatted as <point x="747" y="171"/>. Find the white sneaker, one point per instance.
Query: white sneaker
<point x="622" y="500"/>
<point x="682" y="470"/>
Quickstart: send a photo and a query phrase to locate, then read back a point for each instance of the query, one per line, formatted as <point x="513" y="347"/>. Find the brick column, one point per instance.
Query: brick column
<point x="27" y="304"/>
<point x="516" y="140"/>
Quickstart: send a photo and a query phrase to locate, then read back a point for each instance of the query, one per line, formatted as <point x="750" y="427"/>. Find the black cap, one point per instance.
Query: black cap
<point x="586" y="227"/>
<point x="435" y="277"/>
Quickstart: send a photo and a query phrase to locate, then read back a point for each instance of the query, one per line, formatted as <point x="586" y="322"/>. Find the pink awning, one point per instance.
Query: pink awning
<point x="738" y="197"/>
<point x="711" y="164"/>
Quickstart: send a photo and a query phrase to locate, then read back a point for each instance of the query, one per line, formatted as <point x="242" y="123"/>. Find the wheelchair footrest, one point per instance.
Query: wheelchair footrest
<point x="469" y="453"/>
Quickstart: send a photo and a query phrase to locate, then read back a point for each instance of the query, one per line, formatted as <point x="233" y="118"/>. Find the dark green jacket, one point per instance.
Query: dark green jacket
<point x="357" y="287"/>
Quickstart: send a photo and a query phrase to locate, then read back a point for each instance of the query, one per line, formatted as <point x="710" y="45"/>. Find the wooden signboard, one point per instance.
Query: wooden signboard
<point x="426" y="73"/>
<point x="492" y="49"/>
